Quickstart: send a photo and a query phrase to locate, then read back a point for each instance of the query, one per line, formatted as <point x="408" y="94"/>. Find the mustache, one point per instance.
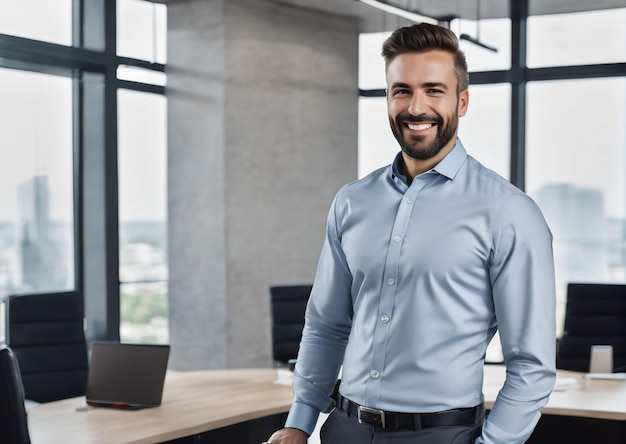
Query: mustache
<point x="421" y="118"/>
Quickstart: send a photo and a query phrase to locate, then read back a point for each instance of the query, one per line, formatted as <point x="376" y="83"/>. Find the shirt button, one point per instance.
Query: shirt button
<point x="384" y="319"/>
<point x="374" y="374"/>
<point x="408" y="200"/>
<point x="391" y="281"/>
<point x="397" y="239"/>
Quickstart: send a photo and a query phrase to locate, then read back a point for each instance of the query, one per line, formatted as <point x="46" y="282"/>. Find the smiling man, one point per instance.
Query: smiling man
<point x="423" y="261"/>
<point x="425" y="100"/>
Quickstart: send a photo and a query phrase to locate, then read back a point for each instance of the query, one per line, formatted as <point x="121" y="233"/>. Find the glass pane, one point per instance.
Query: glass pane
<point x="489" y="103"/>
<point x="141" y="30"/>
<point x="371" y="63"/>
<point x="377" y="146"/>
<point x="581" y="38"/>
<point x="495" y="33"/>
<point x="36" y="183"/>
<point x="144" y="313"/>
<point x="135" y="74"/>
<point x="52" y="21"/>
<point x="575" y="171"/>
<point x="143" y="216"/>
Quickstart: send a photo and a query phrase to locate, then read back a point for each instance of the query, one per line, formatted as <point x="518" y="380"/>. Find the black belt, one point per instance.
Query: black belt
<point x="415" y="421"/>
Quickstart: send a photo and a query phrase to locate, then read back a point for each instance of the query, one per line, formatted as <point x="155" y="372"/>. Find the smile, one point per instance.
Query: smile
<point x="419" y="126"/>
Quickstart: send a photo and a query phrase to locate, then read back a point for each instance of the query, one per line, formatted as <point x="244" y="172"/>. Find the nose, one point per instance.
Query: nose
<point x="417" y="105"/>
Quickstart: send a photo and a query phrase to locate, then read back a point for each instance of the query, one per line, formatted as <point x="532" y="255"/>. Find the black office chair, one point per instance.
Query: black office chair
<point x="288" y="304"/>
<point x="595" y="315"/>
<point x="46" y="333"/>
<point x="13" y="422"/>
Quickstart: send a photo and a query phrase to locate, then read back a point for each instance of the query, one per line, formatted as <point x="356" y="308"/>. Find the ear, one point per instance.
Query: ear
<point x="463" y="102"/>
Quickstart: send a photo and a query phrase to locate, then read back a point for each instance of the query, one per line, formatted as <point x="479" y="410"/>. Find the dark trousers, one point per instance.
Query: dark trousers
<point x="340" y="428"/>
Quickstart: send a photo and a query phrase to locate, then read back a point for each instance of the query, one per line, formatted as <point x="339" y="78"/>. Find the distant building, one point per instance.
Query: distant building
<point x="577" y="219"/>
<point x="10" y="259"/>
<point x="43" y="258"/>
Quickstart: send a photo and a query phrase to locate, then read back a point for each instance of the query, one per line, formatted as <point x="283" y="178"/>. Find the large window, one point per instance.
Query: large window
<point x="142" y="217"/>
<point x="82" y="176"/>
<point x="36" y="183"/>
<point x="575" y="170"/>
<point x="142" y="188"/>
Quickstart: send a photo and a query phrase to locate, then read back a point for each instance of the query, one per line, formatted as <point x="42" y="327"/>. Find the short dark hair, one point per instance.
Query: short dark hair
<point x="426" y="37"/>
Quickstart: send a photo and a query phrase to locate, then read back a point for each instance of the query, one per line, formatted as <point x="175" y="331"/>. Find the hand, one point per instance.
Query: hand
<point x="287" y="436"/>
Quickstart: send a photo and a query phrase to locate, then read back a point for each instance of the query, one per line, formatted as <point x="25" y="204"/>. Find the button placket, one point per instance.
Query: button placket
<point x="387" y="296"/>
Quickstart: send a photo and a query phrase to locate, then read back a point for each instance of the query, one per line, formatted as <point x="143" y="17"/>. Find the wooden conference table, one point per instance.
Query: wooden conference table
<point x="214" y="400"/>
<point x="192" y="403"/>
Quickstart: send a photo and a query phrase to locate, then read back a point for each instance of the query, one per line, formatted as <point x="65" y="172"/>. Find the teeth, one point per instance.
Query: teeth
<point x="421" y="126"/>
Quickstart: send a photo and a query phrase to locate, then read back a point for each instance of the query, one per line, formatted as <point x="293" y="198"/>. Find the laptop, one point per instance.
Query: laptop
<point x="126" y="376"/>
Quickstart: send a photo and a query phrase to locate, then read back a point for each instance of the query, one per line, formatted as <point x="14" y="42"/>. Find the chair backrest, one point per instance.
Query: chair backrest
<point x="46" y="333"/>
<point x="595" y="315"/>
<point x="288" y="304"/>
<point x="13" y="422"/>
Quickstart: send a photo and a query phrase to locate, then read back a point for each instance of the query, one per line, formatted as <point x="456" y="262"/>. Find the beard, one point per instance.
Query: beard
<point x="416" y="146"/>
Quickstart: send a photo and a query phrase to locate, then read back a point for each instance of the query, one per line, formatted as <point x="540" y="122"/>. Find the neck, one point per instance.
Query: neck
<point x="413" y="167"/>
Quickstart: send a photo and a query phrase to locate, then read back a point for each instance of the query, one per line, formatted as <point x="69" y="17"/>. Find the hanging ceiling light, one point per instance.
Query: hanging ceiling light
<point x="395" y="10"/>
<point x="476" y="40"/>
<point x="419" y="18"/>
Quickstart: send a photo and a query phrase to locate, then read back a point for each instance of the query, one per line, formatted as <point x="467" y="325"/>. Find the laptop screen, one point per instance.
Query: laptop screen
<point x="126" y="375"/>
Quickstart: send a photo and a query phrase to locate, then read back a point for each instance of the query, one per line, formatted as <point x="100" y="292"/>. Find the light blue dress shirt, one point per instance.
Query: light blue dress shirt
<point x="412" y="284"/>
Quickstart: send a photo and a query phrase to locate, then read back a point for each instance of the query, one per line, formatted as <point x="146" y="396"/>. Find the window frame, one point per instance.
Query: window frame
<point x="92" y="63"/>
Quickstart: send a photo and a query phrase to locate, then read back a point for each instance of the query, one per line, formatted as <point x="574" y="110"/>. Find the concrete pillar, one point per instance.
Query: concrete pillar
<point x="262" y="132"/>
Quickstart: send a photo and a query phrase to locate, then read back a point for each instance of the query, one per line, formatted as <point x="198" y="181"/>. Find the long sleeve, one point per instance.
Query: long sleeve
<point x="325" y="335"/>
<point x="412" y="283"/>
<point x="522" y="277"/>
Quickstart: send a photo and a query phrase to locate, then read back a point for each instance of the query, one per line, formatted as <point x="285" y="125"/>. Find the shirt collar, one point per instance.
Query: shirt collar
<point x="449" y="166"/>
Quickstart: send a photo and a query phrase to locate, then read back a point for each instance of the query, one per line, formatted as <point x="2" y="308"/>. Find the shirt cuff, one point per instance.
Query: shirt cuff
<point x="303" y="417"/>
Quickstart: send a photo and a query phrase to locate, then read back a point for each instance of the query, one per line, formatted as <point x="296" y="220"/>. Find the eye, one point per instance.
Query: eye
<point x="435" y="91"/>
<point x="400" y="92"/>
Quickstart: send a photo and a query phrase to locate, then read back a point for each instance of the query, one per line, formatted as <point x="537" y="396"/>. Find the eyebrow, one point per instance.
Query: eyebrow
<point x="423" y="85"/>
<point x="435" y="85"/>
<point x="400" y="85"/>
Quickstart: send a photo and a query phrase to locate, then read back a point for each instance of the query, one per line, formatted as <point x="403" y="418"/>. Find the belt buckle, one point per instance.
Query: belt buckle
<point x="371" y="416"/>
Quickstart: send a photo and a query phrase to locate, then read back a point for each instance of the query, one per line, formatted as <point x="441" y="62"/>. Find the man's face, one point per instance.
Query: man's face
<point x="422" y="103"/>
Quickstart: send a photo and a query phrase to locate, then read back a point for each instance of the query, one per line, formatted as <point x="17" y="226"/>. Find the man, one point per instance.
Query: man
<point x="423" y="261"/>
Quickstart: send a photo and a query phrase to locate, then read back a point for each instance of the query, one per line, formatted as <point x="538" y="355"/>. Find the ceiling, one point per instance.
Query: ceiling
<point x="371" y="19"/>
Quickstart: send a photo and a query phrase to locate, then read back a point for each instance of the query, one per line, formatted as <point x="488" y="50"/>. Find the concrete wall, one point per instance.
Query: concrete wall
<point x="262" y="109"/>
